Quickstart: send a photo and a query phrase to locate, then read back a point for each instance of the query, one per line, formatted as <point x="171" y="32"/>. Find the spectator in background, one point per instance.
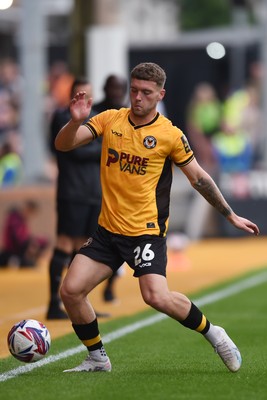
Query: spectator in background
<point x="60" y="81"/>
<point x="238" y="144"/>
<point x="11" y="80"/>
<point x="78" y="199"/>
<point x="242" y="116"/>
<point x="9" y="121"/>
<point x="233" y="149"/>
<point x="115" y="90"/>
<point x="19" y="244"/>
<point x="10" y="137"/>
<point x="251" y="119"/>
<point x="57" y="89"/>
<point x="11" y="168"/>
<point x="202" y="121"/>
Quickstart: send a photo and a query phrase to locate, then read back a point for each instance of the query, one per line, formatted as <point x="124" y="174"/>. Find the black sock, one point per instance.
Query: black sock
<point x="110" y="281"/>
<point x="89" y="335"/>
<point x="196" y="320"/>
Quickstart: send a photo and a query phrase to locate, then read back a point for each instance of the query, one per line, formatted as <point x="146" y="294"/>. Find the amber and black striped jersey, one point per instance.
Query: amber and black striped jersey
<point x="136" y="171"/>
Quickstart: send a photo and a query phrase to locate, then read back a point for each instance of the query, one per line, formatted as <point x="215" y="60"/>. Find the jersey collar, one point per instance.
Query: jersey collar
<point x="141" y="126"/>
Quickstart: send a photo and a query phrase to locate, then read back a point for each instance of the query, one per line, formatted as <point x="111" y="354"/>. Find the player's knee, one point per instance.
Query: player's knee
<point x="153" y="299"/>
<point x="66" y="293"/>
<point x="71" y="294"/>
<point x="63" y="292"/>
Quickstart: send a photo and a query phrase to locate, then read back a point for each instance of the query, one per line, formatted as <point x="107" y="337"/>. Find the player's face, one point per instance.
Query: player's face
<point x="144" y="96"/>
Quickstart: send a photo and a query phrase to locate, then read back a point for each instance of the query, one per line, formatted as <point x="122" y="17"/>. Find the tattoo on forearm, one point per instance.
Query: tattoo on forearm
<point x="208" y="189"/>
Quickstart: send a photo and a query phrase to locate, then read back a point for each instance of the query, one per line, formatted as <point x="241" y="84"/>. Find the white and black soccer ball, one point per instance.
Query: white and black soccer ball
<point x="29" y="340"/>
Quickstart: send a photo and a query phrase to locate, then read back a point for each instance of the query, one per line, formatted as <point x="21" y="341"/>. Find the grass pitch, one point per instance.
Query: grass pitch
<point x="156" y="358"/>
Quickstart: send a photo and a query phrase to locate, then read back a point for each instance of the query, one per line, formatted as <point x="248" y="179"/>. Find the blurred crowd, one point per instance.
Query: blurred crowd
<point x="225" y="134"/>
<point x="227" y="137"/>
<point x="11" y="167"/>
<point x="56" y="95"/>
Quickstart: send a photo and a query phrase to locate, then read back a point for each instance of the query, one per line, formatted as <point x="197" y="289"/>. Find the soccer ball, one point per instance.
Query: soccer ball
<point x="29" y="340"/>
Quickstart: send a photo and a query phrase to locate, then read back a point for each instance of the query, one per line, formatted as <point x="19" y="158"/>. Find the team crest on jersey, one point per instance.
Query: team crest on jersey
<point x="88" y="242"/>
<point x="150" y="142"/>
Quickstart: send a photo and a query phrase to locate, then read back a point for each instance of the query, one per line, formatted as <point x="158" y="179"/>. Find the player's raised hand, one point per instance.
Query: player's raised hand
<point x="80" y="107"/>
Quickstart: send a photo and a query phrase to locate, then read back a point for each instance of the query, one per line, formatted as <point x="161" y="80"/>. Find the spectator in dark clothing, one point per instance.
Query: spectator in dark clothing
<point x="78" y="200"/>
<point x="115" y="90"/>
<point x="20" y="246"/>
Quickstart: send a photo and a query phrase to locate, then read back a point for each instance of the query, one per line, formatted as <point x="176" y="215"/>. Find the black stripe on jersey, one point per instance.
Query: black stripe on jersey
<point x="183" y="164"/>
<point x="141" y="126"/>
<point x="163" y="195"/>
<point x="92" y="130"/>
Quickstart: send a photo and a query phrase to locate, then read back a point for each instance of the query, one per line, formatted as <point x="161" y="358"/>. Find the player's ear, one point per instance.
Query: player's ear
<point x="162" y="94"/>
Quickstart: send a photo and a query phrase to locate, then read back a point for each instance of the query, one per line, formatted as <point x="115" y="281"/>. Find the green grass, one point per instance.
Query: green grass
<point x="161" y="361"/>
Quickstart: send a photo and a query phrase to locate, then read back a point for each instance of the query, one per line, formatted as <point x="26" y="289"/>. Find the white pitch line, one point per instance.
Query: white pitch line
<point x="128" y="329"/>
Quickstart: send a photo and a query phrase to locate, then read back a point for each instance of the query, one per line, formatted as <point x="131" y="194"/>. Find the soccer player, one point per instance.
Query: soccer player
<point x="139" y="149"/>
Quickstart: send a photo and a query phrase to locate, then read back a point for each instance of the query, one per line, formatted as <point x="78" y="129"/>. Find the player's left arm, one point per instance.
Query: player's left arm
<point x="205" y="185"/>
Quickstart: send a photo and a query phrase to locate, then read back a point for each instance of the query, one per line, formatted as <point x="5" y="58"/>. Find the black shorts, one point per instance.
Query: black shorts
<point x="145" y="254"/>
<point x="75" y="219"/>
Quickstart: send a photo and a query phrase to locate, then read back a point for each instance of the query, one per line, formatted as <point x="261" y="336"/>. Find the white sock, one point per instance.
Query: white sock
<point x="99" y="354"/>
<point x="212" y="335"/>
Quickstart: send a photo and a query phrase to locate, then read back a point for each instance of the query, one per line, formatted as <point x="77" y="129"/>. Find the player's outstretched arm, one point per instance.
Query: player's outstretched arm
<point x="73" y="134"/>
<point x="205" y="185"/>
<point x="243" y="223"/>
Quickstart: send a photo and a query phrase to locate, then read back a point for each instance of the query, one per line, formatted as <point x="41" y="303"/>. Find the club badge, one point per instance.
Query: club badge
<point x="150" y="142"/>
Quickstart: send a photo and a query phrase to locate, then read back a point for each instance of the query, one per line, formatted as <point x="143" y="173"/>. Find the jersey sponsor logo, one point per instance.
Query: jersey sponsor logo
<point x="147" y="264"/>
<point x="128" y="162"/>
<point x="150" y="142"/>
<point x="116" y="133"/>
<point x="186" y="144"/>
